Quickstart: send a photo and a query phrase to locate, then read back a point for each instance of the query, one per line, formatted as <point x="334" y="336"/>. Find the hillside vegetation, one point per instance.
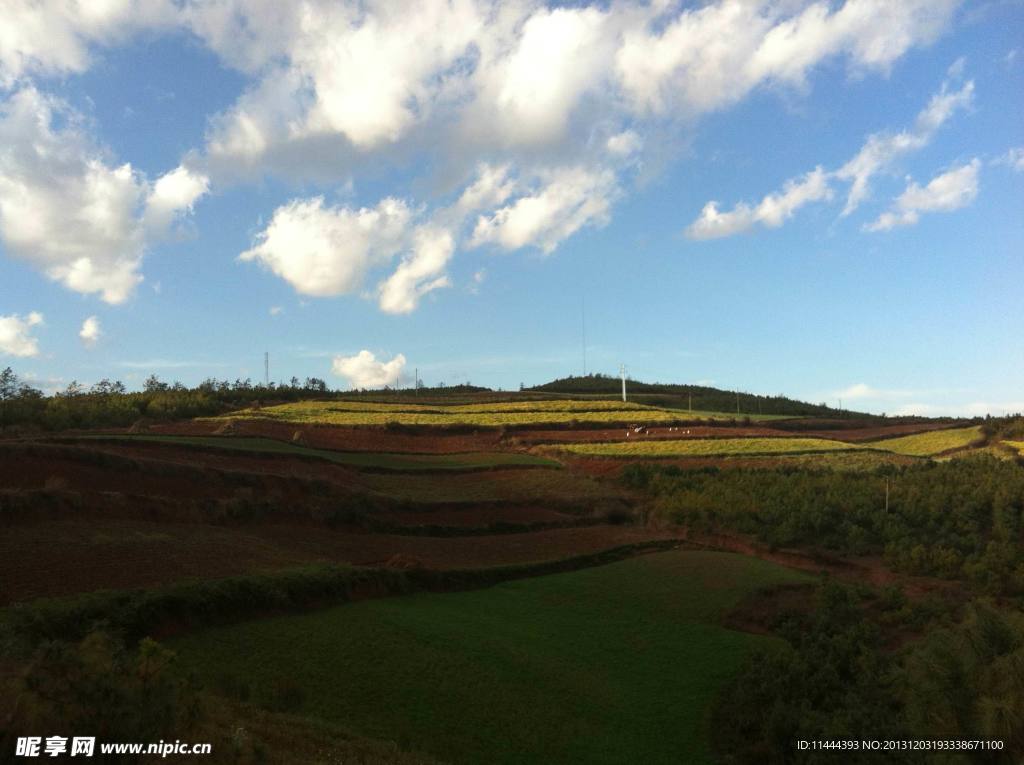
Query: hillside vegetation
<point x="697" y="397"/>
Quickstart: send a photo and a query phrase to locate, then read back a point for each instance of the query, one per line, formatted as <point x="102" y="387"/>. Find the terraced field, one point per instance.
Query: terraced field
<point x="504" y="414"/>
<point x="503" y="485"/>
<point x="704" y="447"/>
<point x="364" y="460"/>
<point x="933" y="442"/>
<point x="637" y="647"/>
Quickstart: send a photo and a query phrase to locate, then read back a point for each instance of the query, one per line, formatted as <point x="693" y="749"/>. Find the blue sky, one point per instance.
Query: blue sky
<point x="816" y="199"/>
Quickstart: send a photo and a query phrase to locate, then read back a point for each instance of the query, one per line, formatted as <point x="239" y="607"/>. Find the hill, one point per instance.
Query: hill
<point x="699" y="397"/>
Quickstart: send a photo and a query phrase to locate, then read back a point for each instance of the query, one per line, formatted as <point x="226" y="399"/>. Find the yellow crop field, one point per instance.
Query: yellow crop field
<point x="932" y="442"/>
<point x="706" y="447"/>
<point x="567" y="405"/>
<point x="1018" y="445"/>
<point x="524" y="413"/>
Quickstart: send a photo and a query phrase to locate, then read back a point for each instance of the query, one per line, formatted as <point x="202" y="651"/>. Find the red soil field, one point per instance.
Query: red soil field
<point x="346" y="439"/>
<point x="178" y="473"/>
<point x="479" y="515"/>
<point x="66" y="556"/>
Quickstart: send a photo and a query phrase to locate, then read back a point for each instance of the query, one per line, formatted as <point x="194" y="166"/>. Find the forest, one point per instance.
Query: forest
<point x="961" y="519"/>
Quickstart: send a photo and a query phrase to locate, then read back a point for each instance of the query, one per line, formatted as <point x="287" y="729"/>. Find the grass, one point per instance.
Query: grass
<point x="605" y="665"/>
<point x="1018" y="445"/>
<point x="703" y="447"/>
<point x="365" y="460"/>
<point x="932" y="442"/>
<point x="521" y="413"/>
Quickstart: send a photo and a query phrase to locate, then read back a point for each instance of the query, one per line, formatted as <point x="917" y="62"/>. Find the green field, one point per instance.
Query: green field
<point x="366" y="460"/>
<point x="706" y="447"/>
<point x="932" y="442"/>
<point x="521" y="413"/>
<point x="605" y="665"/>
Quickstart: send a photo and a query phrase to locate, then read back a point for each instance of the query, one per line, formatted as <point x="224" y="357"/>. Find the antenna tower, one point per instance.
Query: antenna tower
<point x="266" y="369"/>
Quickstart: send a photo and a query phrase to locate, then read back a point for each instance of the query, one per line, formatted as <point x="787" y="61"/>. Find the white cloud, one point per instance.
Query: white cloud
<point x="363" y="370"/>
<point x="1013" y="158"/>
<point x="324" y="251"/>
<point x="712" y="56"/>
<point x="502" y="86"/>
<point x="857" y="391"/>
<point x="881" y="149"/>
<point x="90" y="332"/>
<point x="53" y="37"/>
<point x="491" y="188"/>
<point x="568" y="199"/>
<point x="528" y="86"/>
<point x="625" y="143"/>
<point x="419" y="272"/>
<point x="515" y="76"/>
<point x="276" y="310"/>
<point x="949" y="191"/>
<point x="68" y="212"/>
<point x="16" y="334"/>
<point x="878" y="152"/>
<point x="174" y="193"/>
<point x="773" y="210"/>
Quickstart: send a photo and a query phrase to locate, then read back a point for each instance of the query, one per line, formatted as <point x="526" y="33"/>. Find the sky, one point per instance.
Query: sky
<point x="819" y="199"/>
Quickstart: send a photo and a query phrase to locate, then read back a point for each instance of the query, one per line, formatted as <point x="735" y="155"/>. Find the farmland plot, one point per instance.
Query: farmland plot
<point x="702" y="447"/>
<point x="933" y="442"/>
<point x="605" y="665"/>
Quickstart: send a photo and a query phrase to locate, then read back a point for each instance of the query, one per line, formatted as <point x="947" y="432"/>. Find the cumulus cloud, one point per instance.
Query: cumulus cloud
<point x="420" y="272"/>
<point x="324" y="251"/>
<point x="946" y="192"/>
<point x="53" y="37"/>
<point x="566" y="200"/>
<point x="363" y="370"/>
<point x="502" y="87"/>
<point x="512" y="76"/>
<point x="90" y="332"/>
<point x="16" y="334"/>
<point x="772" y="211"/>
<point x="174" y="194"/>
<point x="64" y="209"/>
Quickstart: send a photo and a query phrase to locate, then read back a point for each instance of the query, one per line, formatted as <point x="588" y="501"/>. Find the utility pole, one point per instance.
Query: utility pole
<point x="622" y="372"/>
<point x="266" y="369"/>
<point x="583" y="314"/>
<point x="416" y="381"/>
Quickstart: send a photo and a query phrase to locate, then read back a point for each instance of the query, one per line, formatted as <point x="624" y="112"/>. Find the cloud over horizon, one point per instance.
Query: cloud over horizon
<point x="363" y="370"/>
